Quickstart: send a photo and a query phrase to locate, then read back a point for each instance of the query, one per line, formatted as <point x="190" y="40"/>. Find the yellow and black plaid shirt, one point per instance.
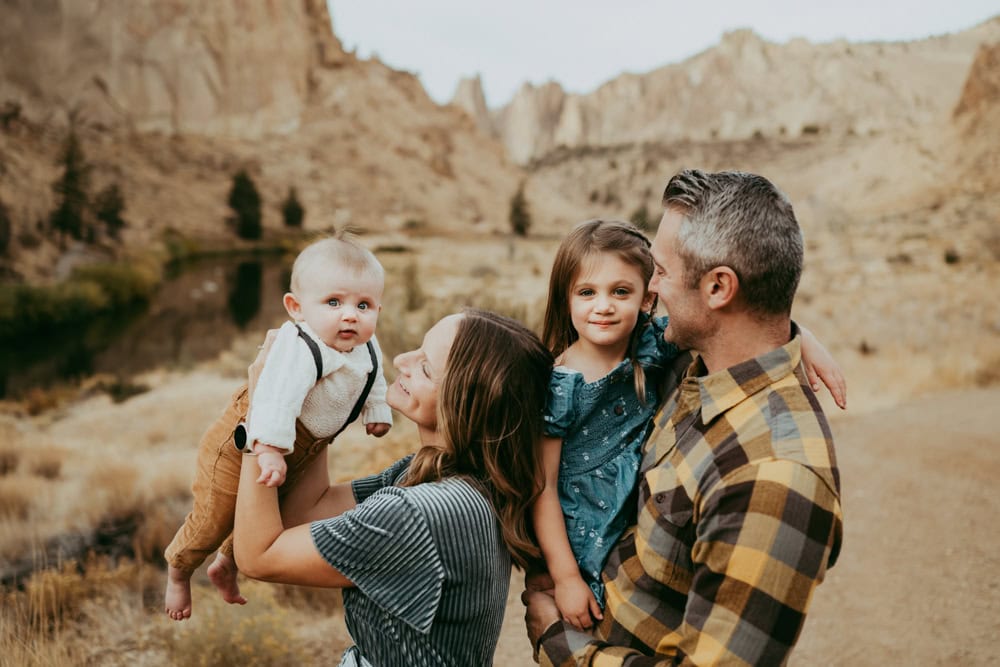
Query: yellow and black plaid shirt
<point x="739" y="518"/>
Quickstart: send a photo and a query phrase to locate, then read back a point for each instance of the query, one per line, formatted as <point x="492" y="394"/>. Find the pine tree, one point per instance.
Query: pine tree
<point x="292" y="210"/>
<point x="5" y="228"/>
<point x="640" y="218"/>
<point x="245" y="202"/>
<point x="108" y="206"/>
<point x="71" y="190"/>
<point x="520" y="217"/>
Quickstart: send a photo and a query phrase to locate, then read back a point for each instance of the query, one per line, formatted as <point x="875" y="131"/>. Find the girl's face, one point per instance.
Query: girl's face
<point x="605" y="300"/>
<point x="415" y="391"/>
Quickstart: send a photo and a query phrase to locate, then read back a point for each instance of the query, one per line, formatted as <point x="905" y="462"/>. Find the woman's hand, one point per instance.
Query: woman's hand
<point x="576" y="603"/>
<point x="820" y="365"/>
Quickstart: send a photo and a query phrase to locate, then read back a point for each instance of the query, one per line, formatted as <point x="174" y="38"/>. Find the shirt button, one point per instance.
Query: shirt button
<point x="619" y="410"/>
<point x="658" y="498"/>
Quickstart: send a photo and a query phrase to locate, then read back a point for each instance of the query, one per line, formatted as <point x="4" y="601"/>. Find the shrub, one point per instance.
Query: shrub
<point x="520" y="217"/>
<point x="71" y="189"/>
<point x="5" y="228"/>
<point x="257" y="634"/>
<point x="640" y="218"/>
<point x="245" y="202"/>
<point x="108" y="207"/>
<point x="292" y="210"/>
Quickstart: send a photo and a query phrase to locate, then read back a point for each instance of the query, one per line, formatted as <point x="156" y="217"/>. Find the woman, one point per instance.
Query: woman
<point x="423" y="550"/>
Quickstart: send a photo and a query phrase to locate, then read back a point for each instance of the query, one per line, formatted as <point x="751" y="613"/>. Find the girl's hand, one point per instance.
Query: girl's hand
<point x="577" y="603"/>
<point x="820" y="365"/>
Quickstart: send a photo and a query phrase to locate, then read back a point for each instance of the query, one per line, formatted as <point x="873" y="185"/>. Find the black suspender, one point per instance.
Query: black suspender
<point x="318" y="358"/>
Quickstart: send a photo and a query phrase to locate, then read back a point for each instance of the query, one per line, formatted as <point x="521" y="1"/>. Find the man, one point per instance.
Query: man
<point x="739" y="511"/>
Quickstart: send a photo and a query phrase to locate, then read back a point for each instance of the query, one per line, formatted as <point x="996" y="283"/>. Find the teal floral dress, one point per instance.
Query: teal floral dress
<point x="603" y="425"/>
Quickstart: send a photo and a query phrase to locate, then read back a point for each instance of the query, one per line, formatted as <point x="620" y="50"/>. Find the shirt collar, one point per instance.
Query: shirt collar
<point x="729" y="387"/>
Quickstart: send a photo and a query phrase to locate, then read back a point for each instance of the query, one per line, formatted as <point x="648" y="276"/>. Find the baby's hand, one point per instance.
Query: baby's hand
<point x="577" y="603"/>
<point x="377" y="429"/>
<point x="272" y="466"/>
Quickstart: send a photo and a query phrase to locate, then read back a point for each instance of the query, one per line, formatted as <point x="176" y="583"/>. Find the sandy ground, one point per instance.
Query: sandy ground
<point x="917" y="578"/>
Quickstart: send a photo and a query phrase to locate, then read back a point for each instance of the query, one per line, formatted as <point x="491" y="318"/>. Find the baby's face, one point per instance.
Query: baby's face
<point x="341" y="307"/>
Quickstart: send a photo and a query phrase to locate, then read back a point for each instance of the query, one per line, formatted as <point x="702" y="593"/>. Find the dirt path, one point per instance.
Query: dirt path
<point x="917" y="579"/>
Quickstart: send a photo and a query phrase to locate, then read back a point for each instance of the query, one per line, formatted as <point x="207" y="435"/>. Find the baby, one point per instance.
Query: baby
<point x="321" y="372"/>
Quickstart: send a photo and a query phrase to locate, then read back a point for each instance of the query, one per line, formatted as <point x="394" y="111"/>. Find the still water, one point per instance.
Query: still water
<point x="199" y="310"/>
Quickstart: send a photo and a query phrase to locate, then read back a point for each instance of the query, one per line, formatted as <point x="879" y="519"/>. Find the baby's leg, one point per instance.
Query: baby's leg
<point x="211" y="518"/>
<point x="223" y="575"/>
<point x="177" y="600"/>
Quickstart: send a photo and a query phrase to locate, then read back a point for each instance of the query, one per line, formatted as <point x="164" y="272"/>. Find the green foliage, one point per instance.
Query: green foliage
<point x="292" y="210"/>
<point x="91" y="290"/>
<point x="108" y="206"/>
<point x="71" y="190"/>
<point x="520" y="217"/>
<point x="245" y="202"/>
<point x="640" y="218"/>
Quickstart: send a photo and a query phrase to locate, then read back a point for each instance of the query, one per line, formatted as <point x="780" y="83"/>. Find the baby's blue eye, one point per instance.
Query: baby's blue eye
<point x="363" y="305"/>
<point x="333" y="302"/>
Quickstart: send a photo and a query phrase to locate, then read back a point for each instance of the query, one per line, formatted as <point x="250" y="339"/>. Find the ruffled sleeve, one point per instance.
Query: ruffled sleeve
<point x="385" y="547"/>
<point x="654" y="351"/>
<point x="391" y="476"/>
<point x="560" y="408"/>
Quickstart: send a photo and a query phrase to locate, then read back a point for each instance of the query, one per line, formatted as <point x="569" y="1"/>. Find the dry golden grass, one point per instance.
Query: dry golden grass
<point x="93" y="462"/>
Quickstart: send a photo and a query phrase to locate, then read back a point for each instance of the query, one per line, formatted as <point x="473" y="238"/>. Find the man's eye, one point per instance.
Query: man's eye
<point x="333" y="302"/>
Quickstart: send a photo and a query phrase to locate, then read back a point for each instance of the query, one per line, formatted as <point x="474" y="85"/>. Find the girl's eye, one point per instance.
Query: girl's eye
<point x="621" y="291"/>
<point x="426" y="370"/>
<point x="333" y="302"/>
<point x="586" y="292"/>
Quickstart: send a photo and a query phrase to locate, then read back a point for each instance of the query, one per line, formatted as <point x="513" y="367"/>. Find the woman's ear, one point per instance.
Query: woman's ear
<point x="719" y="287"/>
<point x="292" y="306"/>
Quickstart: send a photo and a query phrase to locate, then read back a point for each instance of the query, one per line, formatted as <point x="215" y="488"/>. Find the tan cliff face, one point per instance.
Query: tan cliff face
<point x="170" y="98"/>
<point x="745" y="87"/>
<point x="217" y="68"/>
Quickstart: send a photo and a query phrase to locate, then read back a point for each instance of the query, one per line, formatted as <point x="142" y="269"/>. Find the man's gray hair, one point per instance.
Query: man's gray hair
<point x="742" y="221"/>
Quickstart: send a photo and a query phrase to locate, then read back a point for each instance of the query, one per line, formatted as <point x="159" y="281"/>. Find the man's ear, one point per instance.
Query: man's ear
<point x="292" y="306"/>
<point x="649" y="303"/>
<point x="719" y="287"/>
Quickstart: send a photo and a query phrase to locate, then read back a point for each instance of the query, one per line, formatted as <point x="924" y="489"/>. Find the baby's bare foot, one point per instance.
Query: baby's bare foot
<point x="177" y="600"/>
<point x="222" y="573"/>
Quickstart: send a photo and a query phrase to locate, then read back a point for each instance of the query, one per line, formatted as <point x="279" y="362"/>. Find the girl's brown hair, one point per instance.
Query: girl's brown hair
<point x="586" y="240"/>
<point x="490" y="421"/>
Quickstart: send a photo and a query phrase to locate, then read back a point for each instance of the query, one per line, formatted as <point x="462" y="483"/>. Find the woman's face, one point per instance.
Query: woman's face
<point x="415" y="391"/>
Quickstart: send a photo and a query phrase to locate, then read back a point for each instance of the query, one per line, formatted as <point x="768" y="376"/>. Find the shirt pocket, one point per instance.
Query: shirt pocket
<point x="666" y="535"/>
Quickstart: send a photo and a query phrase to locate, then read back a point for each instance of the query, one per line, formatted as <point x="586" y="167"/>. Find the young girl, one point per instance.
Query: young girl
<point x="610" y="358"/>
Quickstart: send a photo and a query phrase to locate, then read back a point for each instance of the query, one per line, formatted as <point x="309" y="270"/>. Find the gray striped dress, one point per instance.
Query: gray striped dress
<point x="429" y="567"/>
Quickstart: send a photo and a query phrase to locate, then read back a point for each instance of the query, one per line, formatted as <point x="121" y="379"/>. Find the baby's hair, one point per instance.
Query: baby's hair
<point x="584" y="241"/>
<point x="341" y="250"/>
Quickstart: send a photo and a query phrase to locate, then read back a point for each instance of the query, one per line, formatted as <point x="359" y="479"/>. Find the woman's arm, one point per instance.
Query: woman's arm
<point x="265" y="550"/>
<point x="574" y="598"/>
<point x="312" y="497"/>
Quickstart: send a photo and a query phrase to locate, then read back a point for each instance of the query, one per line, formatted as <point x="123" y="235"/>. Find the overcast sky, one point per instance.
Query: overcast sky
<point x="583" y="43"/>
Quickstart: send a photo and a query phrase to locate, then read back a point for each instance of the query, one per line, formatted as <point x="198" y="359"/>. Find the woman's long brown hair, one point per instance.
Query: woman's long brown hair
<point x="490" y="406"/>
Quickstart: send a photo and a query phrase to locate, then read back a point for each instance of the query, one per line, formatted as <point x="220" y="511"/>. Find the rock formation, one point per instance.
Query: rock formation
<point x="745" y="87"/>
<point x="170" y="98"/>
